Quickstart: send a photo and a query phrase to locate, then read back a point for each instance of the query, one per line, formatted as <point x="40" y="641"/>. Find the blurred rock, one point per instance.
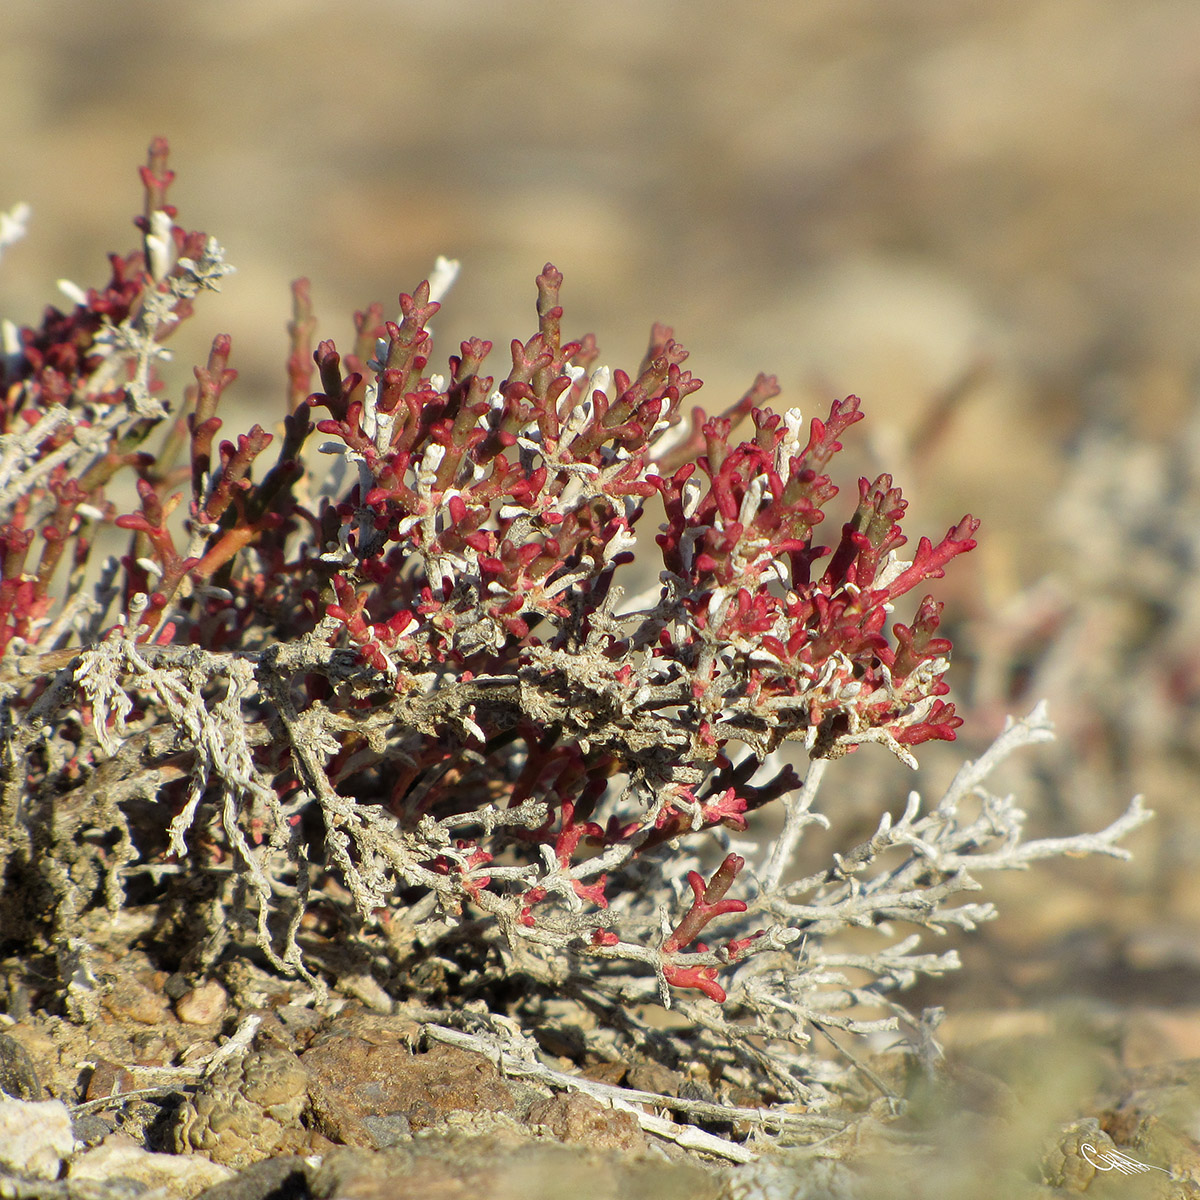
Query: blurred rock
<point x="18" y="1078"/>
<point x="119" y="1163"/>
<point x="35" y="1136"/>
<point x="271" y="1179"/>
<point x="466" y="1168"/>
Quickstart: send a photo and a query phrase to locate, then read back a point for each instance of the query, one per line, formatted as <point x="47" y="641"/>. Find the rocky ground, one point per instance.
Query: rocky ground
<point x="245" y="1088"/>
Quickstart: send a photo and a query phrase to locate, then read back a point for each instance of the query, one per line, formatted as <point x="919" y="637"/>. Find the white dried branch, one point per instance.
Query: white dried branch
<point x="1028" y="731"/>
<point x="13" y="225"/>
<point x="799" y="814"/>
<point x="519" y="1061"/>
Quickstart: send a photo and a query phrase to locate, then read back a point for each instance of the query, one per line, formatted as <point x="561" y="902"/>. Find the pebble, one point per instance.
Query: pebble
<point x="108" y="1079"/>
<point x="138" y="997"/>
<point x="203" y="1005"/>
<point x="18" y="1078"/>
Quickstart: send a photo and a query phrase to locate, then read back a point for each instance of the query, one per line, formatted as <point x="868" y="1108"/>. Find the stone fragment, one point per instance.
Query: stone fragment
<point x="18" y="1078"/>
<point x="370" y="1094"/>
<point x="121" y="1165"/>
<point x="272" y="1179"/>
<point x="203" y="1005"/>
<point x="138" y="996"/>
<point x="35" y="1136"/>
<point x="108" y="1079"/>
<point x="581" y="1120"/>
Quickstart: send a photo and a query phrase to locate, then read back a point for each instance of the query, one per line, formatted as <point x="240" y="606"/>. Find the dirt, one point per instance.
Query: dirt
<point x="248" y="1088"/>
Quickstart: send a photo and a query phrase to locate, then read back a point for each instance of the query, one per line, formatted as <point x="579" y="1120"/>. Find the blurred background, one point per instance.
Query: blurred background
<point x="982" y="217"/>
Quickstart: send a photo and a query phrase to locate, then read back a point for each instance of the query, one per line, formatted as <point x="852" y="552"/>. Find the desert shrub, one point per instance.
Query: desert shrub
<point x="414" y="652"/>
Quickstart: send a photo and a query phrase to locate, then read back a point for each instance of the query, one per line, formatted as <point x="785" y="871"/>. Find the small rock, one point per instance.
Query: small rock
<point x="386" y="1175"/>
<point x="90" y="1129"/>
<point x="138" y="996"/>
<point x="108" y="1079"/>
<point x="272" y="1179"/>
<point x="35" y="1136"/>
<point x="298" y="1019"/>
<point x="580" y="1120"/>
<point x="18" y="1079"/>
<point x="355" y="1084"/>
<point x="203" y="1005"/>
<point x="654" y="1077"/>
<point x="120" y="1158"/>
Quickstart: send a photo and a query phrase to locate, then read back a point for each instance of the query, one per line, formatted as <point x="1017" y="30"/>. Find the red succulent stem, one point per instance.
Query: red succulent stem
<point x="203" y="423"/>
<point x="300" y="332"/>
<point x="708" y="903"/>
